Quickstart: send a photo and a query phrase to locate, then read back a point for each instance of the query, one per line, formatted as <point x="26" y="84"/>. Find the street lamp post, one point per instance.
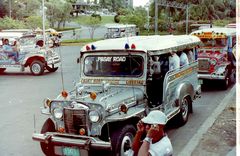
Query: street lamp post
<point x="43" y="23"/>
<point x="10" y="8"/>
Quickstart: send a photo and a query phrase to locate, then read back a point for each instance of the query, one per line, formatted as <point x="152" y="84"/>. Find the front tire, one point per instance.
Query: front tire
<point x="122" y="140"/>
<point x="48" y="126"/>
<point x="51" y="69"/>
<point x="184" y="111"/>
<point x="37" y="67"/>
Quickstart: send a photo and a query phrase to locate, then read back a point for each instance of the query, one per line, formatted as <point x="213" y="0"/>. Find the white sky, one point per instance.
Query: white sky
<point x="139" y="2"/>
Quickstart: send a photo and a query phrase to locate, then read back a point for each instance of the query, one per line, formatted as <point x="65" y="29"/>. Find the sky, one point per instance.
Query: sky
<point x="139" y="2"/>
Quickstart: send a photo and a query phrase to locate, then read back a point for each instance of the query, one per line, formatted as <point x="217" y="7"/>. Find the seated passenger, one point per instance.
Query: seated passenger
<point x="183" y="59"/>
<point x="190" y="56"/>
<point x="7" y="48"/>
<point x="174" y="60"/>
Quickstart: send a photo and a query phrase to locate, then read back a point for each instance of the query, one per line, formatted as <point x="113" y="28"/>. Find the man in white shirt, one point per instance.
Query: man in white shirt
<point x="174" y="61"/>
<point x="183" y="59"/>
<point x="156" y="142"/>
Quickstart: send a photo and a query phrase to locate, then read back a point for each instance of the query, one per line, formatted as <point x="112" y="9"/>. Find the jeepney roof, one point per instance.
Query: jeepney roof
<point x="154" y="45"/>
<point x="227" y="31"/>
<point x="109" y="26"/>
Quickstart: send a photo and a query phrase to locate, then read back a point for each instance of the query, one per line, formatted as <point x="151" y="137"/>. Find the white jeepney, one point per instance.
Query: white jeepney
<point x="29" y="52"/>
<point x="120" y="30"/>
<point x="119" y="85"/>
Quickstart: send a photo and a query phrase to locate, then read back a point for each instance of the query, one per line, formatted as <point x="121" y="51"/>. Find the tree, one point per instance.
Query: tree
<point x="34" y="22"/>
<point x="58" y="11"/>
<point x="9" y="23"/>
<point x="93" y="23"/>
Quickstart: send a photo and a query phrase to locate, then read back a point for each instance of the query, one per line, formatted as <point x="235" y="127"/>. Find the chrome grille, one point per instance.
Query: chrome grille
<point x="74" y="120"/>
<point x="203" y="64"/>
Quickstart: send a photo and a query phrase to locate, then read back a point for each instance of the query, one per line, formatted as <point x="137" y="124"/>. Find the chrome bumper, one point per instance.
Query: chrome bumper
<point x="83" y="142"/>
<point x="54" y="62"/>
<point x="211" y="76"/>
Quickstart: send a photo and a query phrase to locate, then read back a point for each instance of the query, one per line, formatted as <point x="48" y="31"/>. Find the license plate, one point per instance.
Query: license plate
<point x="70" y="151"/>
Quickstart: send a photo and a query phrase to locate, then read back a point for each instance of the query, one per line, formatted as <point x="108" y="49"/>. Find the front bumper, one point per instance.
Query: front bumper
<point x="54" y="62"/>
<point x="81" y="142"/>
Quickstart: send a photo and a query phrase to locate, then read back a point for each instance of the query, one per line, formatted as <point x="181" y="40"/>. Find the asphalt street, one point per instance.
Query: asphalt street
<point x="22" y="96"/>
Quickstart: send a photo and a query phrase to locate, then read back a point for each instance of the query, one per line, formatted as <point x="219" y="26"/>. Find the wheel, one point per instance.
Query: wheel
<point x="184" y="111"/>
<point x="2" y="70"/>
<point x="48" y="126"/>
<point x="51" y="69"/>
<point x="37" y="67"/>
<point x="122" y="140"/>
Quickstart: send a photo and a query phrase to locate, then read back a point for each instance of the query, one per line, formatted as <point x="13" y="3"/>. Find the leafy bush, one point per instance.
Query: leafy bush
<point x="9" y="23"/>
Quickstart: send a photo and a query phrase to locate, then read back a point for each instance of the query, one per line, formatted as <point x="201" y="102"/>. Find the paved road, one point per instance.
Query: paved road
<point x="22" y="96"/>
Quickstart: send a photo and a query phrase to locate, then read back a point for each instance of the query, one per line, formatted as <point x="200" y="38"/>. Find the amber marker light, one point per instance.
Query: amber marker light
<point x="82" y="131"/>
<point x="61" y="130"/>
<point x="93" y="95"/>
<point x="123" y="108"/>
<point x="64" y="94"/>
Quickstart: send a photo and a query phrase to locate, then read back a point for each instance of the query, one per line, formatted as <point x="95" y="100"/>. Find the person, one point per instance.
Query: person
<point x="183" y="59"/>
<point x="190" y="56"/>
<point x="7" y="48"/>
<point x="150" y="138"/>
<point x="174" y="60"/>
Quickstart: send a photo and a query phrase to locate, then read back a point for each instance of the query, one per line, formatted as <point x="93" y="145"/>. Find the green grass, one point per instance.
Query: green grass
<point x="83" y="19"/>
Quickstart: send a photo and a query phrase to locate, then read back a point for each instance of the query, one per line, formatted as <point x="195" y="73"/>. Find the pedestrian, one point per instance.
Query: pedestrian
<point x="150" y="138"/>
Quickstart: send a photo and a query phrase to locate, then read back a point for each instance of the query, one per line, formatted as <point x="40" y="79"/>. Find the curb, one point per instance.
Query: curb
<point x="192" y="144"/>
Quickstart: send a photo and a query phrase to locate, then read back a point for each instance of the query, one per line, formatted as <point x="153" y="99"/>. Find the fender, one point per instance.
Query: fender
<point x="28" y="60"/>
<point x="183" y="90"/>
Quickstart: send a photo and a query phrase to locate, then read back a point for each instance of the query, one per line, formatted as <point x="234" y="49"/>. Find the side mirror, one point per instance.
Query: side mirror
<point x="78" y="60"/>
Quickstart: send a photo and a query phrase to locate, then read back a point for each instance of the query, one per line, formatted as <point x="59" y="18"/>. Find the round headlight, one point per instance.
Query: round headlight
<point x="213" y="62"/>
<point x="94" y="116"/>
<point x="58" y="113"/>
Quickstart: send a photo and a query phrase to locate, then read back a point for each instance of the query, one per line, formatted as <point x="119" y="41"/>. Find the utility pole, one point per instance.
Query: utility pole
<point x="156" y="17"/>
<point x="10" y="8"/>
<point x="43" y="21"/>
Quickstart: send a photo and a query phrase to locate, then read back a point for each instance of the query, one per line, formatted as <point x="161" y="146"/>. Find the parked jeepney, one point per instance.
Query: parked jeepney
<point x="215" y="57"/>
<point x="120" y="30"/>
<point x="29" y="53"/>
<point x="119" y="84"/>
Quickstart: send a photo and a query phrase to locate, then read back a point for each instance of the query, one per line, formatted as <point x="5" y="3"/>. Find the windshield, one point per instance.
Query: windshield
<point x="218" y="42"/>
<point x="114" y="66"/>
<point x="27" y="41"/>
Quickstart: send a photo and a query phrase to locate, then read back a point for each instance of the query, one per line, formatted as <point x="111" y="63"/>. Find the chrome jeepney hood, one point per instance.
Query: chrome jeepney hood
<point x="109" y="97"/>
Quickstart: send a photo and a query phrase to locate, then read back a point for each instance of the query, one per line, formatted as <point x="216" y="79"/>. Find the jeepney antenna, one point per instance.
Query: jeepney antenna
<point x="60" y="53"/>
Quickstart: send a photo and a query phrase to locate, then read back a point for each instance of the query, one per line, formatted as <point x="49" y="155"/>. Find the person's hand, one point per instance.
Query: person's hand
<point x="153" y="131"/>
<point x="140" y="126"/>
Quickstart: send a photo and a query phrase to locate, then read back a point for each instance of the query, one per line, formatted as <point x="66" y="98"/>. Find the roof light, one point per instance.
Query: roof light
<point x="88" y="48"/>
<point x="93" y="47"/>
<point x="133" y="46"/>
<point x="126" y="46"/>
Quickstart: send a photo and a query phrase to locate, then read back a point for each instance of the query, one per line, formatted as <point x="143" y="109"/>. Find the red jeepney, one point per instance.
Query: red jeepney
<point x="215" y="58"/>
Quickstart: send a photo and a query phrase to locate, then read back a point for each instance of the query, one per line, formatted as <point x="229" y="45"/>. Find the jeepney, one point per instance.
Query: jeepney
<point x="30" y="53"/>
<point x="118" y="86"/>
<point x="120" y="30"/>
<point x="215" y="58"/>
